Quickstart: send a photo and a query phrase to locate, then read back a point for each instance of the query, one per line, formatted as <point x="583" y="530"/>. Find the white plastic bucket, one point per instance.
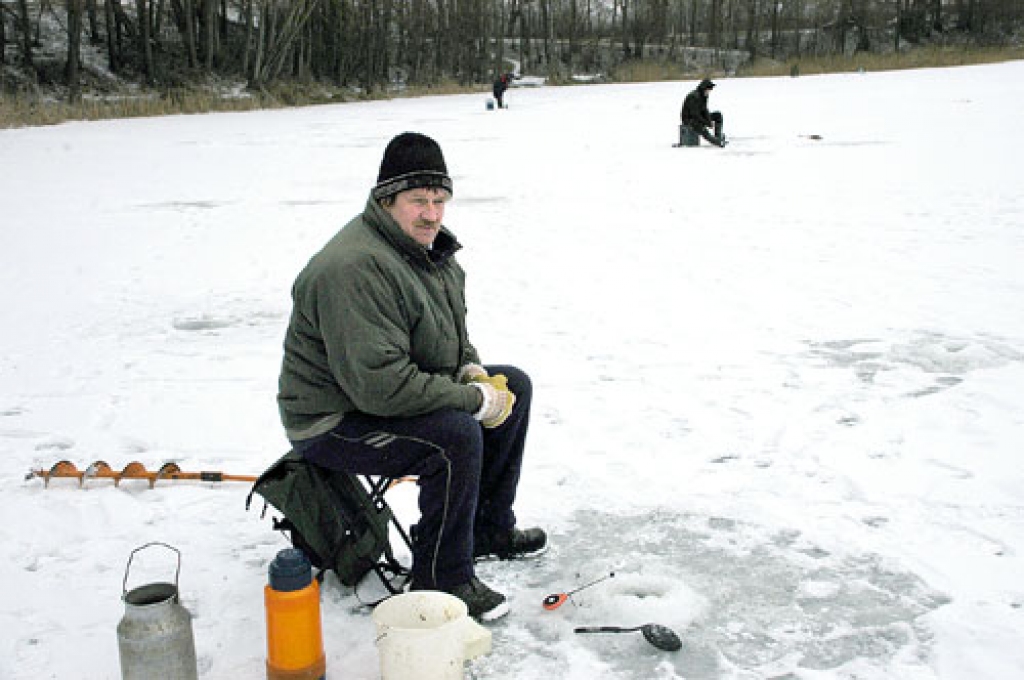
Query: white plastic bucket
<point x="427" y="635"/>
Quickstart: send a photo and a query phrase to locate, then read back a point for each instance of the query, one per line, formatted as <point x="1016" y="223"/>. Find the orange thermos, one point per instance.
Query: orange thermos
<point x="295" y="645"/>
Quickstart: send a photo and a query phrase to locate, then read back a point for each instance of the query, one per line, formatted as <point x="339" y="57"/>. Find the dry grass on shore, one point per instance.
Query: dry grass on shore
<point x="924" y="57"/>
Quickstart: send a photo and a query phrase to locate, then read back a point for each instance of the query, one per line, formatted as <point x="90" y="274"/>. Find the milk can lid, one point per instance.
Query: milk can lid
<point x="290" y="570"/>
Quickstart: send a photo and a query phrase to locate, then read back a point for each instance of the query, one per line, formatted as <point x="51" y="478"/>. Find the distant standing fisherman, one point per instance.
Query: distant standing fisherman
<point x="500" y="85"/>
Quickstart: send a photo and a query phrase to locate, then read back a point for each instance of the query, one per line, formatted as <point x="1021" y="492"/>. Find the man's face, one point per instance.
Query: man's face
<point x="419" y="212"/>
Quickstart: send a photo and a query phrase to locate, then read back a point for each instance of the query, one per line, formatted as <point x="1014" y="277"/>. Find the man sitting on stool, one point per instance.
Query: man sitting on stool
<point x="695" y="114"/>
<point x="379" y="377"/>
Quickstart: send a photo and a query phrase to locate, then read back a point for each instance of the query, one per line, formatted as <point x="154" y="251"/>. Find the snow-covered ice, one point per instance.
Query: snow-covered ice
<point x="778" y="386"/>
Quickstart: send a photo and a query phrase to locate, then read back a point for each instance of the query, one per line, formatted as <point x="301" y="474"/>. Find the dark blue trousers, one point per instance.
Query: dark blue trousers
<point x="467" y="474"/>
<point x="717" y="120"/>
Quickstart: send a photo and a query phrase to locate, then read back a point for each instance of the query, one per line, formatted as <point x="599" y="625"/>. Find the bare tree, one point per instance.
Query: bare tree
<point x="694" y="14"/>
<point x="501" y="24"/>
<point x="144" y="43"/>
<point x="74" y="50"/>
<point x="625" y="28"/>
<point x="573" y="35"/>
<point x="3" y="43"/>
<point x="25" y="28"/>
<point x="94" y="24"/>
<point x="753" y="28"/>
<point x="280" y="24"/>
<point x="775" y="7"/>
<point x="187" y="28"/>
<point x="209" y="26"/>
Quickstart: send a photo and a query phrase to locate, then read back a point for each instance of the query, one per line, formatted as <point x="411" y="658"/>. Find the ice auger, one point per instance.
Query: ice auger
<point x="134" y="470"/>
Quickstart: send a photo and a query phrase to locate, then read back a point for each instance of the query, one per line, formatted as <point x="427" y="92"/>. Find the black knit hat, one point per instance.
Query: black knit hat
<point x="411" y="161"/>
<point x="705" y="85"/>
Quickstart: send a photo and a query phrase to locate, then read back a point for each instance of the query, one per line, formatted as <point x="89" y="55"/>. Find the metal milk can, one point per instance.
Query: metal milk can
<point x="154" y="637"/>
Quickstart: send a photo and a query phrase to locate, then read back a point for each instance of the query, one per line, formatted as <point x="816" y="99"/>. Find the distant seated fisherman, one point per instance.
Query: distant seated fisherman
<point x="695" y="114"/>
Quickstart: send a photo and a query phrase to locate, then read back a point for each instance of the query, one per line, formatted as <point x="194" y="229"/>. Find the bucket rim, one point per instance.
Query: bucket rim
<point x="149" y="593"/>
<point x="435" y="597"/>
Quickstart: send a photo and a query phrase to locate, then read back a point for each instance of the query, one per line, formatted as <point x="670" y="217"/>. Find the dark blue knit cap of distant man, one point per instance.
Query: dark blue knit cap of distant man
<point x="411" y="161"/>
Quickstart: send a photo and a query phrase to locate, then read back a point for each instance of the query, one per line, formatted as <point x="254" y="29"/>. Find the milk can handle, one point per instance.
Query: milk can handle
<point x="177" y="571"/>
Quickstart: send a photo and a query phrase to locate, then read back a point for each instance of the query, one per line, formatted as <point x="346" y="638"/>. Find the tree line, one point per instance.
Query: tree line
<point x="371" y="43"/>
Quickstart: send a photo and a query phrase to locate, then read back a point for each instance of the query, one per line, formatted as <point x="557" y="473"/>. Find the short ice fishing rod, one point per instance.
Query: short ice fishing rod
<point x="556" y="600"/>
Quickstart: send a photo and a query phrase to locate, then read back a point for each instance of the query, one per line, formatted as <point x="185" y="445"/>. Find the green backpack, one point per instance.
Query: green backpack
<point x="333" y="518"/>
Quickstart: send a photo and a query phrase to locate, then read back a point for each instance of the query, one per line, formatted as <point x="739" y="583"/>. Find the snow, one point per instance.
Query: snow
<point x="778" y="385"/>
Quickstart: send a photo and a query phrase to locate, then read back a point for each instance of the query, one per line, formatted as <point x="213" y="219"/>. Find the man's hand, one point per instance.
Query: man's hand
<point x="497" y="401"/>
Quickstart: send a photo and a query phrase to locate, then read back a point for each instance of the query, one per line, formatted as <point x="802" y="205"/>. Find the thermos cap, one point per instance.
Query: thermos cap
<point x="290" y="570"/>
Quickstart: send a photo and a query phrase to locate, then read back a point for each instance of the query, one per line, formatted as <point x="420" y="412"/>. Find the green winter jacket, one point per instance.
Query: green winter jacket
<point x="378" y="325"/>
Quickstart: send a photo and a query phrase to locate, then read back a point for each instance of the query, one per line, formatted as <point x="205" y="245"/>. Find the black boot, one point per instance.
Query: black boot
<point x="719" y="133"/>
<point x="509" y="545"/>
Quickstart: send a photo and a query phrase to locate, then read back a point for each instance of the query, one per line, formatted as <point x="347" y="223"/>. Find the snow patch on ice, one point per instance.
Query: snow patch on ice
<point x="746" y="600"/>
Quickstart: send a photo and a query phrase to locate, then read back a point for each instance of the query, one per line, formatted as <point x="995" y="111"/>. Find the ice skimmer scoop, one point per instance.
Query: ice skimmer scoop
<point x="662" y="637"/>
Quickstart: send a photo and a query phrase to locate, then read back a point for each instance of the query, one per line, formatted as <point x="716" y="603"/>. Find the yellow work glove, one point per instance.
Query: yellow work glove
<point x="498" y="380"/>
<point x="469" y="372"/>
<point x="497" y="401"/>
